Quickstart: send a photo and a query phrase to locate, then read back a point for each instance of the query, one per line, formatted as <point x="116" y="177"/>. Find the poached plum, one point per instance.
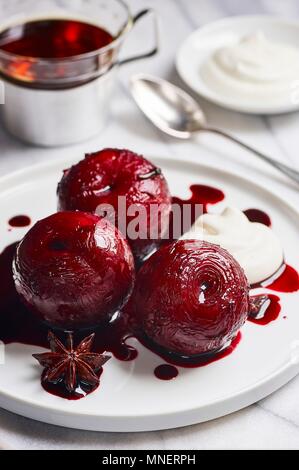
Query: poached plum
<point x="102" y="177"/>
<point x="74" y="270"/>
<point x="191" y="298"/>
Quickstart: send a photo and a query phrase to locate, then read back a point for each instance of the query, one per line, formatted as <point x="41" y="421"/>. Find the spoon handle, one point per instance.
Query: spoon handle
<point x="290" y="172"/>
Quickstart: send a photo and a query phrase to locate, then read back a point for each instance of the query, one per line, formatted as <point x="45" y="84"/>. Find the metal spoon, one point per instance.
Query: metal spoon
<point x="176" y="113"/>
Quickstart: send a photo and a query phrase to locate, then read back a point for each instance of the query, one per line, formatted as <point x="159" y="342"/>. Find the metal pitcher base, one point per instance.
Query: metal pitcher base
<point x="58" y="117"/>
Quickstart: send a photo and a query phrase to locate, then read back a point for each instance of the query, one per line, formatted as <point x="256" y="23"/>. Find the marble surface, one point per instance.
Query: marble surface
<point x="272" y="423"/>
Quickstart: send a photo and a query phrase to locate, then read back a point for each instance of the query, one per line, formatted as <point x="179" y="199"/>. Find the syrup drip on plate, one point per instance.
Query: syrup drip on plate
<point x="20" y="221"/>
<point x="256" y="215"/>
<point x="286" y="279"/>
<point x="166" y="372"/>
<point x="201" y="197"/>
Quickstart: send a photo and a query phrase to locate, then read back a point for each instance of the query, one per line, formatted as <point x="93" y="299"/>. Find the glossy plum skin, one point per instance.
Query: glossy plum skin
<point x="74" y="270"/>
<point x="191" y="298"/>
<point x="103" y="176"/>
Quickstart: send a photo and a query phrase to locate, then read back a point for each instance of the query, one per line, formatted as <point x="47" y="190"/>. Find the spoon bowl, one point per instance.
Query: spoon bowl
<point x="168" y="107"/>
<point x="177" y="114"/>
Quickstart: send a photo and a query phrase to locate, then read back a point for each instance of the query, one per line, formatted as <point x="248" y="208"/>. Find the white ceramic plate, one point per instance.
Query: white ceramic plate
<point x="204" y="41"/>
<point x="130" y="398"/>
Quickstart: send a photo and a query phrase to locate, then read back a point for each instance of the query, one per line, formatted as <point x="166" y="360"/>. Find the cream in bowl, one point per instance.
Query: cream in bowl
<point x="252" y="69"/>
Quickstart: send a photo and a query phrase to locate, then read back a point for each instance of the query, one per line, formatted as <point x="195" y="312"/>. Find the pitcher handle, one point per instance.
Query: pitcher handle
<point x="154" y="50"/>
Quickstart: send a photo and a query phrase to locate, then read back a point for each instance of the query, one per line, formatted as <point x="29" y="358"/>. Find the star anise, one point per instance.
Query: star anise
<point x="71" y="365"/>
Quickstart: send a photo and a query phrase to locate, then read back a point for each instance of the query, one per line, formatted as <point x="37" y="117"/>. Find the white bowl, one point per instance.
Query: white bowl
<point x="203" y="42"/>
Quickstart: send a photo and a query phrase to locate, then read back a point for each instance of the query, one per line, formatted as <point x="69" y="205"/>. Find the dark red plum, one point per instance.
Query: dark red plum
<point x="74" y="270"/>
<point x="103" y="176"/>
<point x="191" y="298"/>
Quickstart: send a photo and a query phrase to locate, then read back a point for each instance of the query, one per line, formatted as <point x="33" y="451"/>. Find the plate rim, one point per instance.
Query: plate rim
<point x="260" y="388"/>
<point x="216" y="98"/>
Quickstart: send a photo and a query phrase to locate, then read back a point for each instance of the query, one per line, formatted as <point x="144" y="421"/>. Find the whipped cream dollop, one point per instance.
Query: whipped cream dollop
<point x="255" y="246"/>
<point x="254" y="68"/>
